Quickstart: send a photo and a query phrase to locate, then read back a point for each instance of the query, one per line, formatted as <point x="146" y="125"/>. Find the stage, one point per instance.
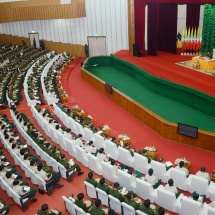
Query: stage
<point x="179" y="94"/>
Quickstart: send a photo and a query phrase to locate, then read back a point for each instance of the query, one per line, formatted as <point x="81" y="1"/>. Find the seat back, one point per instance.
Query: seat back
<point x="90" y="190"/>
<point x="79" y="211"/>
<point x="126" y="180"/>
<point x="78" y="129"/>
<point x="81" y="155"/>
<point x="145" y="190"/>
<point x="94" y="164"/>
<point x="189" y="205"/>
<point x="125" y="156"/>
<point x="99" y="141"/>
<point x="69" y="204"/>
<point x="198" y="184"/>
<point x="109" y="172"/>
<point x="141" y="163"/>
<point x="211" y="211"/>
<point x="140" y="213"/>
<point x="115" y="204"/>
<point x="111" y="149"/>
<point x="70" y="144"/>
<point x="179" y="178"/>
<point x="159" y="170"/>
<point x="127" y="209"/>
<point x="88" y="135"/>
<point x="166" y="199"/>
<point x="103" y="196"/>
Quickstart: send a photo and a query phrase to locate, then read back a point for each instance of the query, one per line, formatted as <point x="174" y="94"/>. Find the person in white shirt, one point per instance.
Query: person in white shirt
<point x="153" y="180"/>
<point x="79" y="141"/>
<point x="203" y="174"/>
<point x="9" y="178"/>
<point x="33" y="166"/>
<point x="101" y="156"/>
<point x="90" y="148"/>
<point x="182" y="168"/>
<point x="170" y="187"/>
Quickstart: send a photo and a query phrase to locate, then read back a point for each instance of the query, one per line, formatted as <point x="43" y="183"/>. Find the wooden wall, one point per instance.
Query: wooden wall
<point x="41" y="10"/>
<point x="205" y="140"/>
<point x="59" y="47"/>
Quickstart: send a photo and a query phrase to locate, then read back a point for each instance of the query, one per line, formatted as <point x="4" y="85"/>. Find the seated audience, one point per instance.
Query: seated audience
<point x="182" y="168"/>
<point x="199" y="198"/>
<point x="101" y="156"/>
<point x="24" y="191"/>
<point x="115" y="192"/>
<point x="131" y="201"/>
<point x="97" y="209"/>
<point x="145" y="208"/>
<point x="170" y="187"/>
<point x="153" y="180"/>
<point x="91" y="180"/>
<point x="103" y="186"/>
<point x="85" y="205"/>
<point x="45" y="211"/>
<point x="203" y="174"/>
<point x="4" y="209"/>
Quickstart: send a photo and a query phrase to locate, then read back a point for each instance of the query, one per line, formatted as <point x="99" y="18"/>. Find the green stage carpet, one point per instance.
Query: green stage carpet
<point x="168" y="109"/>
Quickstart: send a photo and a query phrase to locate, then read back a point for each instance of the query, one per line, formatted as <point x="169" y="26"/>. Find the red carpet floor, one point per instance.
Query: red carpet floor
<point x="164" y="66"/>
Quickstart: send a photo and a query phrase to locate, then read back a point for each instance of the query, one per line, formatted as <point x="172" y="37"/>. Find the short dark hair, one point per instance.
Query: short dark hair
<point x="150" y="171"/>
<point x="102" y="181"/>
<point x="101" y="150"/>
<point x="44" y="207"/>
<point x="112" y="162"/>
<point x="98" y="203"/>
<point x="80" y="196"/>
<point x="116" y="185"/>
<point x="203" y="169"/>
<point x="195" y="196"/>
<point x="181" y="164"/>
<point x="170" y="182"/>
<point x="90" y="174"/>
<point x="147" y="203"/>
<point x="161" y="211"/>
<point x="111" y="212"/>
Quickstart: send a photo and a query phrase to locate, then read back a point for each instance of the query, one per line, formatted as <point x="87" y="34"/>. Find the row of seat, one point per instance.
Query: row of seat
<point x="57" y="167"/>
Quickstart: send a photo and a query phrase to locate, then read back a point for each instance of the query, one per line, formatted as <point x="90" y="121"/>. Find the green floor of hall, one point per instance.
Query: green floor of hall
<point x="169" y="109"/>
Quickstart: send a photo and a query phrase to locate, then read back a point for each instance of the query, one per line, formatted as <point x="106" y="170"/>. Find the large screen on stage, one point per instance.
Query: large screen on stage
<point x="187" y="130"/>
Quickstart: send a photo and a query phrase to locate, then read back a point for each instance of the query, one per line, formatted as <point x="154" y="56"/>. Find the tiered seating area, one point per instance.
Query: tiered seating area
<point x="44" y="76"/>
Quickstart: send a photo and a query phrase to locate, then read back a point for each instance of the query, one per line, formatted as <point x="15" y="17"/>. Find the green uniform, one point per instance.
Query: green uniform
<point x="131" y="203"/>
<point x="91" y="181"/>
<point x="103" y="187"/>
<point x="81" y="204"/>
<point x="97" y="211"/>
<point x="5" y="208"/>
<point x="148" y="211"/>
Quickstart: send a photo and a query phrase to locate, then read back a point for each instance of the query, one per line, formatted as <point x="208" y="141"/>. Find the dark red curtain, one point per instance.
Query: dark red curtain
<point x="153" y="14"/>
<point x="139" y="11"/>
<point x="193" y="14"/>
<point x="168" y="14"/>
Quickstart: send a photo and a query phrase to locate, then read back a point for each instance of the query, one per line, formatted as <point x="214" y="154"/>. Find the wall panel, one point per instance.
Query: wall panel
<point x="109" y="19"/>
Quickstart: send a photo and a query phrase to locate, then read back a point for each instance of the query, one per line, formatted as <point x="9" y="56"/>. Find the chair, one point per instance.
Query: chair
<point x="159" y="170"/>
<point x="127" y="209"/>
<point x="140" y="213"/>
<point x="212" y="193"/>
<point x="179" y="178"/>
<point x="115" y="204"/>
<point x="145" y="190"/>
<point x="126" y="180"/>
<point x="79" y="211"/>
<point x="211" y="211"/>
<point x="111" y="149"/>
<point x="90" y="190"/>
<point x="188" y="205"/>
<point x="141" y="163"/>
<point x="70" y="144"/>
<point x="81" y="155"/>
<point x="69" y="204"/>
<point x="88" y="135"/>
<point x="198" y="184"/>
<point x="103" y="196"/>
<point x="109" y="172"/>
<point x="99" y="141"/>
<point x="94" y="164"/>
<point x="167" y="199"/>
<point x="125" y="156"/>
<point x="78" y="129"/>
